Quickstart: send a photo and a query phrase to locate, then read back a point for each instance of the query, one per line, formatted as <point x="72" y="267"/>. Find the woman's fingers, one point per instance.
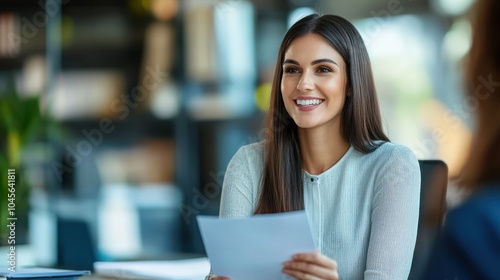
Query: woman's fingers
<point x="304" y="270"/>
<point x="299" y="275"/>
<point x="315" y="258"/>
<point x="311" y="266"/>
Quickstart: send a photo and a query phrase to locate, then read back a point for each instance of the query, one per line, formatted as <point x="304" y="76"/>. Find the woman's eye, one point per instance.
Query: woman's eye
<point x="291" y="70"/>
<point x="324" y="69"/>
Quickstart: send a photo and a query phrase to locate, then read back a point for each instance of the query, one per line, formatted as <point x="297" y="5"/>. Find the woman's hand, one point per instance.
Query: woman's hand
<point x="311" y="266"/>
<point x="219" y="278"/>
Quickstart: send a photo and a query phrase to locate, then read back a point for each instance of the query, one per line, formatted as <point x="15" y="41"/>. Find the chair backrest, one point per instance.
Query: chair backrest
<point x="434" y="182"/>
<point x="75" y="246"/>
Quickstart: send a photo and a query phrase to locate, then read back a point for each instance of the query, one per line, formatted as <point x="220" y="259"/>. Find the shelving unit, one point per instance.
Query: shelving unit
<point x="111" y="36"/>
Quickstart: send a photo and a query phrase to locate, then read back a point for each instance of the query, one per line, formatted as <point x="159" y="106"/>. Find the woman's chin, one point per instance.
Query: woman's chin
<point x="306" y="125"/>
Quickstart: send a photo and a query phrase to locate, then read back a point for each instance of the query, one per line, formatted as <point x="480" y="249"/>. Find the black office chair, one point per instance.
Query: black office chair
<point x="75" y="246"/>
<point x="434" y="182"/>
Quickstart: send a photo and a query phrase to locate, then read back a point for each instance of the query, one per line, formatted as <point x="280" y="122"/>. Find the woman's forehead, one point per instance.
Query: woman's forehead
<point x="311" y="47"/>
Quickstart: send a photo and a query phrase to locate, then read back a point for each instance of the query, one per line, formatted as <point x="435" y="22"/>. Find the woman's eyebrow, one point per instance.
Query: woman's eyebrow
<point x="317" y="61"/>
<point x="323" y="60"/>
<point x="290" y="61"/>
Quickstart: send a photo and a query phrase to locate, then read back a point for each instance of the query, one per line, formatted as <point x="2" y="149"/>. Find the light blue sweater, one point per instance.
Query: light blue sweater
<point x="363" y="211"/>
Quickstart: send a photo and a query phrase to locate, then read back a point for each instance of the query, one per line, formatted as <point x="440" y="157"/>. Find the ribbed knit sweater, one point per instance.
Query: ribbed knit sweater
<point x="363" y="211"/>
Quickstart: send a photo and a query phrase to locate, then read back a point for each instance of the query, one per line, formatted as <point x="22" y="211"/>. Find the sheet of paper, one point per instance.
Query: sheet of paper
<point x="255" y="247"/>
<point x="188" y="269"/>
<point x="40" y="272"/>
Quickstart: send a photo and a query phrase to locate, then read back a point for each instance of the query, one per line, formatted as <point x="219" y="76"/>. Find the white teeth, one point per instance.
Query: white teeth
<point x="308" y="102"/>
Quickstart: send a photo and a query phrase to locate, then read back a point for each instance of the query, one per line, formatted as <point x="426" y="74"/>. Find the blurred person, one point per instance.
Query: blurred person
<point x="469" y="245"/>
<point x="325" y="151"/>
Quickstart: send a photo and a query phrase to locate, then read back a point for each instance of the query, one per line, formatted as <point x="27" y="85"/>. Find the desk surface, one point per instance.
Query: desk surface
<point x="181" y="265"/>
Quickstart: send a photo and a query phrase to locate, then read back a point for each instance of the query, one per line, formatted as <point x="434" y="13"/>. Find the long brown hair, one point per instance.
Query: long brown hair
<point x="483" y="88"/>
<point x="282" y="181"/>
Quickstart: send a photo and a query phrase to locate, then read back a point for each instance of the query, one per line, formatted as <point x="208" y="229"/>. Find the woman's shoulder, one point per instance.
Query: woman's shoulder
<point x="391" y="159"/>
<point x="252" y="148"/>
<point x="394" y="152"/>
<point x="480" y="206"/>
<point x="250" y="153"/>
<point x="477" y="219"/>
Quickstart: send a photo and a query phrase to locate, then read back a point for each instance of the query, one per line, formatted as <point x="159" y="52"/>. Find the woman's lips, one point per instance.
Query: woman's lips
<point x="308" y="104"/>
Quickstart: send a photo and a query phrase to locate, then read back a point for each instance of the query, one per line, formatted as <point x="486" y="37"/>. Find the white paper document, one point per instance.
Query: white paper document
<point x="255" y="247"/>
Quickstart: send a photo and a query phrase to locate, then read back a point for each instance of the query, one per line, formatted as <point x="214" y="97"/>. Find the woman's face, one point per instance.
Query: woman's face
<point x="314" y="82"/>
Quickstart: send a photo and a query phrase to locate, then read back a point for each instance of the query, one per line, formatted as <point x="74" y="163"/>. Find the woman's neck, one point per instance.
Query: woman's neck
<point x="321" y="149"/>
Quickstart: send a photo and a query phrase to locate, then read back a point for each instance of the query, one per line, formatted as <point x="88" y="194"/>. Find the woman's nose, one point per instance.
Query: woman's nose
<point x="306" y="83"/>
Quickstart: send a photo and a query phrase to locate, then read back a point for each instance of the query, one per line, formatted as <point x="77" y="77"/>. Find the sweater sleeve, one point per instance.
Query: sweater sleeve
<point x="394" y="217"/>
<point x="238" y="186"/>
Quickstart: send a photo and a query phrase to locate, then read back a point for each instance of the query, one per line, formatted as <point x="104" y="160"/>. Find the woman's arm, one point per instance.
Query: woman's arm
<point x="394" y="217"/>
<point x="239" y="185"/>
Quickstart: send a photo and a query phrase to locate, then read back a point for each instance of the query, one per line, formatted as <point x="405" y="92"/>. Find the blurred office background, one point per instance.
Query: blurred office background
<point x="120" y="116"/>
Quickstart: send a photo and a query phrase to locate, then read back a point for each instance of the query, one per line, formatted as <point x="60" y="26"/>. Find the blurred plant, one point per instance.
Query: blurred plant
<point x="21" y="123"/>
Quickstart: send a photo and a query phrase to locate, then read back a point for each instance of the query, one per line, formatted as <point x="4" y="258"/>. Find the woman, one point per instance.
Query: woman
<point x="325" y="152"/>
<point x="469" y="247"/>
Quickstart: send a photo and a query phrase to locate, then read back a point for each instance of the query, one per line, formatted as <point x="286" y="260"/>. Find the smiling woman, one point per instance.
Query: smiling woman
<point x="326" y="153"/>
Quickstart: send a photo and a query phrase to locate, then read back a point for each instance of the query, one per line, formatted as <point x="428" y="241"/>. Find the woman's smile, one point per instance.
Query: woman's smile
<point x="308" y="104"/>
